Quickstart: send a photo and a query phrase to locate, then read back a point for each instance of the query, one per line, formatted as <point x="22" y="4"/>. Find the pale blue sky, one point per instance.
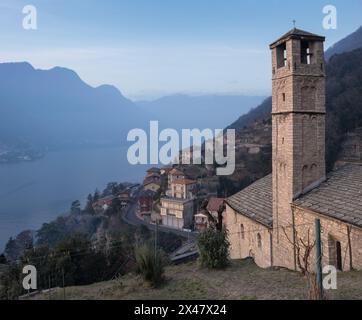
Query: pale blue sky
<point x="150" y="48"/>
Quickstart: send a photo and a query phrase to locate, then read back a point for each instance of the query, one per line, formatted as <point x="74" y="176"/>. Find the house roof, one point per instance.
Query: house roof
<point x="148" y="182"/>
<point x="214" y="204"/>
<point x="176" y="172"/>
<point x="153" y="175"/>
<point x="340" y="196"/>
<point x="299" y="34"/>
<point x="255" y="201"/>
<point x="184" y="181"/>
<point x="153" y="170"/>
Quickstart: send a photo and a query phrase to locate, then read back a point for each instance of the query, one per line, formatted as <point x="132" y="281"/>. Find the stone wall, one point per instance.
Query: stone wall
<point x="248" y="238"/>
<point x="332" y="230"/>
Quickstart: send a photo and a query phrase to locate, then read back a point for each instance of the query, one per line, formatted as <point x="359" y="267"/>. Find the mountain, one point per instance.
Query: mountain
<point x="260" y="112"/>
<point x="206" y="111"/>
<point x="350" y="43"/>
<point x="55" y="107"/>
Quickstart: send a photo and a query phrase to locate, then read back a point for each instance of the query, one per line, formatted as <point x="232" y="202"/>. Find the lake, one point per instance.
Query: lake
<point x="32" y="193"/>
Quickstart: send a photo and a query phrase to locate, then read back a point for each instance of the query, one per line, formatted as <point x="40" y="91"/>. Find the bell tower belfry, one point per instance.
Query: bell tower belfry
<point x="298" y="117"/>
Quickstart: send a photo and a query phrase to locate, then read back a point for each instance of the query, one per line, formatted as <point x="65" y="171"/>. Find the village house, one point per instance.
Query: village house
<point x="153" y="170"/>
<point x="152" y="182"/>
<point x="177" y="208"/>
<point x="202" y="220"/>
<point x="104" y="203"/>
<point x="145" y="203"/>
<point x="272" y="217"/>
<point x="151" y="185"/>
<point x="165" y="170"/>
<point x="125" y="198"/>
<point x="175" y="174"/>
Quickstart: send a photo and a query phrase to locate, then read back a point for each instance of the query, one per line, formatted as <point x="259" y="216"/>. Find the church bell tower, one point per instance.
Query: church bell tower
<point x="298" y="117"/>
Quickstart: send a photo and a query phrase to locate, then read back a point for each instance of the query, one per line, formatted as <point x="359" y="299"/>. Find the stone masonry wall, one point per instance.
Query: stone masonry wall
<point x="248" y="238"/>
<point x="331" y="230"/>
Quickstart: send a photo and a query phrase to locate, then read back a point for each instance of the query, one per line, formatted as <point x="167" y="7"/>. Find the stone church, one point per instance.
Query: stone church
<point x="272" y="219"/>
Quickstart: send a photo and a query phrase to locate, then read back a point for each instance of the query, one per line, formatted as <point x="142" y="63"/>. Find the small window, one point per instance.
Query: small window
<point x="259" y="240"/>
<point x="242" y="232"/>
<point x="282" y="55"/>
<point x="283" y="97"/>
<point x="306" y="54"/>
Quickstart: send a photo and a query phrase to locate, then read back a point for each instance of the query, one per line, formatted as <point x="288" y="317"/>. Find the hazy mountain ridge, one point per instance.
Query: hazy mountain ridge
<point x="55" y="107"/>
<point x="203" y="111"/>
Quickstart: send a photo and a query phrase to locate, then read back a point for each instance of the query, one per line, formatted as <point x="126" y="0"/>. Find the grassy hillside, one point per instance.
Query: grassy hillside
<point x="242" y="280"/>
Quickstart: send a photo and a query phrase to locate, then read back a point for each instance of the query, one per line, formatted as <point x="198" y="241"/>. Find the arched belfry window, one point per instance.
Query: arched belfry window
<point x="305" y="52"/>
<point x="282" y="55"/>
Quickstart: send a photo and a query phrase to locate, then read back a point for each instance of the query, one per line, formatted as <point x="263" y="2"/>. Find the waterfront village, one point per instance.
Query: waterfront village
<point x="174" y="196"/>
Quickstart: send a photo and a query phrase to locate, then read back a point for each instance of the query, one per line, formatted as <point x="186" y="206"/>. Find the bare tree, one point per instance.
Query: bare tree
<point x="303" y="249"/>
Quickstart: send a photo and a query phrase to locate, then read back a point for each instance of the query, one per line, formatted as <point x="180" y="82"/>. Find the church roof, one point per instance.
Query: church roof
<point x="339" y="197"/>
<point x="255" y="201"/>
<point x="297" y="33"/>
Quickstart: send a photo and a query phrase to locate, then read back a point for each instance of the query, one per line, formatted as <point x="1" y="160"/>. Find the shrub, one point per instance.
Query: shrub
<point x="150" y="264"/>
<point x="214" y="248"/>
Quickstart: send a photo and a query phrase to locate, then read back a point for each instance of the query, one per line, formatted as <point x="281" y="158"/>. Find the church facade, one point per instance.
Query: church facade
<point x="273" y="219"/>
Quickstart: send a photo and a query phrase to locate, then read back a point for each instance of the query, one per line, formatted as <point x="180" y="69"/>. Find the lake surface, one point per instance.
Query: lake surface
<point x="32" y="193"/>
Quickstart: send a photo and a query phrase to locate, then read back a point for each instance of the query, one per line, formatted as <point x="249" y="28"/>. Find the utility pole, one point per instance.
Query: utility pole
<point x="49" y="286"/>
<point x="63" y="284"/>
<point x="319" y="258"/>
<point x="156" y="231"/>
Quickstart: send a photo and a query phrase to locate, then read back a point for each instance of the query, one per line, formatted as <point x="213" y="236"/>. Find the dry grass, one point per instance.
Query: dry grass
<point x="242" y="280"/>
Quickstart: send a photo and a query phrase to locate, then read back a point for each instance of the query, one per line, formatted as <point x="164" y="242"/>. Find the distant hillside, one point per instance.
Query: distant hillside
<point x="258" y="113"/>
<point x="350" y="43"/>
<point x="208" y="111"/>
<point x="55" y="107"/>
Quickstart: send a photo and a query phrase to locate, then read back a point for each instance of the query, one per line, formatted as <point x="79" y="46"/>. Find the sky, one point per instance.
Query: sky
<point x="153" y="48"/>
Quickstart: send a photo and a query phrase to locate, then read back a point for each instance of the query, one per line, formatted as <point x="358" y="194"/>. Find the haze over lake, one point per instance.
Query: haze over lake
<point x="32" y="193"/>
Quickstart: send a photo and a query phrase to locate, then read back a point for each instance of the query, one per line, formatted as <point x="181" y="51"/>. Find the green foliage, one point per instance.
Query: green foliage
<point x="53" y="232"/>
<point x="142" y="234"/>
<point x="2" y="259"/>
<point x="11" y="283"/>
<point x="89" y="206"/>
<point x="214" y="248"/>
<point x="150" y="264"/>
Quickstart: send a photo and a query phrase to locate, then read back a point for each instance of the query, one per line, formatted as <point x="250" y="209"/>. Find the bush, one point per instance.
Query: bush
<point x="150" y="264"/>
<point x="214" y="248"/>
